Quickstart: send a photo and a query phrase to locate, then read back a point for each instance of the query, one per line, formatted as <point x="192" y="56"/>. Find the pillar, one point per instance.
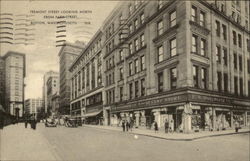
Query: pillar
<point x="157" y="118"/>
<point x="245" y="118"/>
<point x="137" y="117"/>
<point x="214" y="119"/>
<point x="187" y="112"/>
<point x="232" y="119"/>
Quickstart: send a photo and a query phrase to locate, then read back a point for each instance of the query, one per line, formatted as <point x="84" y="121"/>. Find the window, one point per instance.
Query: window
<point x="173" y="78"/>
<point x="194" y="44"/>
<point x="130" y="68"/>
<point x="136" y="66"/>
<point x="142" y="40"/>
<point x="130" y="91"/>
<point x="136" y="4"/>
<point x="225" y="82"/>
<point x="194" y="14"/>
<point x="240" y="62"/>
<point x="160" y="4"/>
<point x="142" y="18"/>
<point x="136" y="24"/>
<point x="241" y="87"/>
<point x="217" y="28"/>
<point x="130" y="9"/>
<point x="136" y="45"/>
<point x="160" y="27"/>
<point x="202" y="18"/>
<point x="203" y="78"/>
<point x="218" y="54"/>
<point x="172" y="18"/>
<point x="249" y="88"/>
<point x="121" y="93"/>
<point x="236" y="85"/>
<point x="143" y="62"/>
<point x="234" y="38"/>
<point x="121" y="55"/>
<point x="195" y="76"/>
<point x="239" y="40"/>
<point x="160" y="53"/>
<point x="235" y="61"/>
<point x="173" y="47"/>
<point x="248" y="67"/>
<point x="203" y="47"/>
<point x="143" y="87"/>
<point x="121" y="73"/>
<point x="130" y="48"/>
<point x="224" y="32"/>
<point x="136" y="89"/>
<point x="160" y="82"/>
<point x="219" y="77"/>
<point x="130" y="28"/>
<point x="225" y="56"/>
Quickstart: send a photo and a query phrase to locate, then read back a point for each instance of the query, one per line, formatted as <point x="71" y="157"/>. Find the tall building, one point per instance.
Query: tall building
<point x="15" y="71"/>
<point x="33" y="106"/>
<point x="86" y="82"/>
<point x="52" y="89"/>
<point x="68" y="53"/>
<point x="45" y="79"/>
<point x="2" y="82"/>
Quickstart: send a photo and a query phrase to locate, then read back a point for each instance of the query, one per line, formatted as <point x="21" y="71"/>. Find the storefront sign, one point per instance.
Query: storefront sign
<point x="93" y="109"/>
<point x="208" y="99"/>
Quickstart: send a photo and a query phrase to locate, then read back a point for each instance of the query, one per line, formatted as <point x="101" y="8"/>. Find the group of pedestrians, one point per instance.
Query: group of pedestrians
<point x="127" y="125"/>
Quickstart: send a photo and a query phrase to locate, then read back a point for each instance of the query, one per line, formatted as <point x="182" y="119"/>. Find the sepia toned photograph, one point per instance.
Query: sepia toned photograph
<point x="129" y="80"/>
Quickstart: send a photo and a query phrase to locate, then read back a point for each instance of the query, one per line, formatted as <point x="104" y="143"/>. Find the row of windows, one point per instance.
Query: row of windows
<point x="134" y="89"/>
<point x="137" y="44"/>
<point x="171" y="21"/>
<point x="236" y="62"/>
<point x="173" y="79"/>
<point x="198" y="45"/>
<point x="133" y="26"/>
<point x="172" y="50"/>
<point x="110" y="79"/>
<point x="198" y="16"/>
<point x="136" y="65"/>
<point x="199" y="77"/>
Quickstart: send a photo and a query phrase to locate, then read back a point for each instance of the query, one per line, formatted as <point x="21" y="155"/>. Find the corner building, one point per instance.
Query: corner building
<point x="185" y="62"/>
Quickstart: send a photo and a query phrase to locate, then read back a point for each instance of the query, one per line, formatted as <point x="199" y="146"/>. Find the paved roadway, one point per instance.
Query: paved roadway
<point x="92" y="144"/>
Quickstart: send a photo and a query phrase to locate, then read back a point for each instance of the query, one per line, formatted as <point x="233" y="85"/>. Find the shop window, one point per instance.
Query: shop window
<point x="236" y="85"/>
<point x="160" y="82"/>
<point x="143" y="87"/>
<point x="225" y="82"/>
<point x="219" y="83"/>
<point x="172" y="16"/>
<point x="173" y="78"/>
<point x="136" y="89"/>
<point x="173" y="47"/>
<point x="195" y="76"/>
<point x="160" y="27"/>
<point x="160" y="54"/>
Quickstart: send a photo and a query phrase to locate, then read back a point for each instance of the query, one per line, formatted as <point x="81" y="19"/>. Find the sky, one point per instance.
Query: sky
<point x="83" y="18"/>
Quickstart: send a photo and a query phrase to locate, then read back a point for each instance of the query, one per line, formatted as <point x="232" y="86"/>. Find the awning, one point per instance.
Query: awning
<point x="92" y="114"/>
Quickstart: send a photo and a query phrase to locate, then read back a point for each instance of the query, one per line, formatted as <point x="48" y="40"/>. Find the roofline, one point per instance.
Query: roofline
<point x="70" y="44"/>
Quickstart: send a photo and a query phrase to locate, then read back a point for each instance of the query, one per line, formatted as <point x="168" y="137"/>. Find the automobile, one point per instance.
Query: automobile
<point x="50" y="123"/>
<point x="71" y="122"/>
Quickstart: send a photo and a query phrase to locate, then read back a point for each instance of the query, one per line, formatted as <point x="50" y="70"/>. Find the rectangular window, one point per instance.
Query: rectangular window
<point x="121" y="93"/>
<point x="130" y="48"/>
<point x="217" y="28"/>
<point x="202" y="18"/>
<point x="219" y="78"/>
<point x="249" y="88"/>
<point x="121" y="73"/>
<point x="160" y="27"/>
<point x="143" y="87"/>
<point x="194" y="44"/>
<point x="173" y="47"/>
<point x="136" y="66"/>
<point x="160" y="82"/>
<point x="225" y="82"/>
<point x="142" y="62"/>
<point x="142" y="18"/>
<point x="248" y="67"/>
<point x="203" y="47"/>
<point x="130" y="68"/>
<point x="130" y="91"/>
<point x="195" y="76"/>
<point x="240" y="63"/>
<point x="236" y="85"/>
<point x="121" y="55"/>
<point x="172" y="16"/>
<point x="234" y="38"/>
<point x="136" y="45"/>
<point x="173" y="78"/>
<point x="160" y="4"/>
<point x="235" y="61"/>
<point x="218" y="54"/>
<point x="225" y="56"/>
<point x="136" y="23"/>
<point x="239" y="40"/>
<point x="136" y="89"/>
<point x="224" y="32"/>
<point x="130" y="28"/>
<point x="203" y="78"/>
<point x="241" y="87"/>
<point x="130" y="9"/>
<point x="194" y="14"/>
<point x="160" y="54"/>
<point x="142" y="40"/>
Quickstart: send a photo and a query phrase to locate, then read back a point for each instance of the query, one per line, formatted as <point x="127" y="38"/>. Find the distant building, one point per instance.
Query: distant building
<point x="14" y="74"/>
<point x="68" y="53"/>
<point x="55" y="104"/>
<point x="52" y="89"/>
<point x="33" y="106"/>
<point x="2" y="82"/>
<point x="45" y="79"/>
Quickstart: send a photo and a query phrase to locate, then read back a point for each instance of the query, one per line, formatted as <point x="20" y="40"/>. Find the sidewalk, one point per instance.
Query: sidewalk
<point x="18" y="143"/>
<point x="173" y="136"/>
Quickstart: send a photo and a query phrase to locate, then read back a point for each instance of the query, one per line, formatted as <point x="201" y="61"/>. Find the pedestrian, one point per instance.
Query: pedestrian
<point x="236" y="126"/>
<point x="127" y="125"/>
<point x="171" y="128"/>
<point x="123" y="126"/>
<point x="166" y="126"/>
<point x="131" y="124"/>
<point x="156" y="127"/>
<point x="26" y="123"/>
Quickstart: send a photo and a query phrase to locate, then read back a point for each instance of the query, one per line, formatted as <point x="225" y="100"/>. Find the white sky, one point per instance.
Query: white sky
<point x="43" y="55"/>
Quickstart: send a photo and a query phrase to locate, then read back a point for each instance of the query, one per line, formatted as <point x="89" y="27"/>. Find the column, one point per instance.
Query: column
<point x="245" y="118"/>
<point x="137" y="117"/>
<point x="187" y="112"/>
<point x="214" y="118"/>
<point x="143" y="118"/>
<point x="232" y="119"/>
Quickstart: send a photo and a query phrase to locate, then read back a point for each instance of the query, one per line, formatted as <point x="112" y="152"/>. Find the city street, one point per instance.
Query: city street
<point x="85" y="143"/>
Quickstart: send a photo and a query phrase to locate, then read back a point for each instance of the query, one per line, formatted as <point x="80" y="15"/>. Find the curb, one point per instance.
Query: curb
<point x="172" y="139"/>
